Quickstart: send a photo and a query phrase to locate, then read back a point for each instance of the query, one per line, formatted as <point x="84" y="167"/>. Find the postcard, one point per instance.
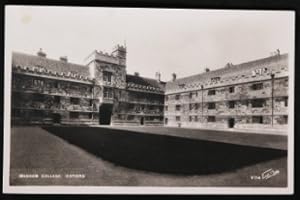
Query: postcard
<point x="107" y="100"/>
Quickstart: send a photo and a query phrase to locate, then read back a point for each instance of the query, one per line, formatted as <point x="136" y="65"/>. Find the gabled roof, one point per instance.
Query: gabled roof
<point x="61" y="67"/>
<point x="225" y="71"/>
<point x="21" y="59"/>
<point x="146" y="82"/>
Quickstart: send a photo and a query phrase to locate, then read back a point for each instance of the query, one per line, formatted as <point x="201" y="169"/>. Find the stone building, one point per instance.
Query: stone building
<point x="247" y="95"/>
<point x="47" y="91"/>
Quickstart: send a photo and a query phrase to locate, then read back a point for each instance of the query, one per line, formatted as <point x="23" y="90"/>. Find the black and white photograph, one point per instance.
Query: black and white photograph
<point x="112" y="100"/>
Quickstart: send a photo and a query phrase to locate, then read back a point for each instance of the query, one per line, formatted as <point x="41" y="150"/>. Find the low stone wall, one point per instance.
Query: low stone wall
<point x="224" y="126"/>
<point x="17" y="122"/>
<point x="136" y="123"/>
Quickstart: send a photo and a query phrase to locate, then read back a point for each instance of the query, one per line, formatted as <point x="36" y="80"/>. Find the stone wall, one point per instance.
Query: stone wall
<point x="138" y="108"/>
<point x="36" y="100"/>
<point x="244" y="94"/>
<point x="118" y="79"/>
<point x="193" y="107"/>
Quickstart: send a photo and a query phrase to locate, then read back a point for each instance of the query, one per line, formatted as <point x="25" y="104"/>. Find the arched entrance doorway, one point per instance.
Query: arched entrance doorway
<point x="105" y="112"/>
<point x="142" y="120"/>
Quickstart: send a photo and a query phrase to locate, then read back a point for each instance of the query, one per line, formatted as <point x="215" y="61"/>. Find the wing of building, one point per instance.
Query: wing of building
<point x="49" y="91"/>
<point x="247" y="95"/>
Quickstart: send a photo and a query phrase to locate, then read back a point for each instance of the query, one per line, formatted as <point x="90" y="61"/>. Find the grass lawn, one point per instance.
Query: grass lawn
<point x="242" y="138"/>
<point x="113" y="157"/>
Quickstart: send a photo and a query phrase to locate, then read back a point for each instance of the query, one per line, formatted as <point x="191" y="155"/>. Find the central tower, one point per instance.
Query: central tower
<point x="109" y="74"/>
<point x="108" y="69"/>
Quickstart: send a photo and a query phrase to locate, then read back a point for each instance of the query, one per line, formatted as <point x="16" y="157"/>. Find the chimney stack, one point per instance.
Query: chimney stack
<point x="41" y="53"/>
<point x="63" y="58"/>
<point x="173" y="77"/>
<point x="157" y="76"/>
<point x="136" y="74"/>
<point x="278" y="52"/>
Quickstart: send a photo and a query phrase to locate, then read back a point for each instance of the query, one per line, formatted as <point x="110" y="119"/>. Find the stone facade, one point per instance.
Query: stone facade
<point x="47" y="91"/>
<point x="136" y="108"/>
<point x="248" y="95"/>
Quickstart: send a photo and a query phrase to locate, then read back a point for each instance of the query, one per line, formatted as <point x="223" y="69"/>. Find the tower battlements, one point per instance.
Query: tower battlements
<point x="118" y="56"/>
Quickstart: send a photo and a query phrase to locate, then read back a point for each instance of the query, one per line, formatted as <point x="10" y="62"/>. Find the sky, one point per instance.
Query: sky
<point x="178" y="41"/>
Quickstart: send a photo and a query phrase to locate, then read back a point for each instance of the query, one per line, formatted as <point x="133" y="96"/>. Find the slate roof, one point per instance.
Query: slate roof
<point x="56" y="66"/>
<point x="146" y="82"/>
<point x="234" y="69"/>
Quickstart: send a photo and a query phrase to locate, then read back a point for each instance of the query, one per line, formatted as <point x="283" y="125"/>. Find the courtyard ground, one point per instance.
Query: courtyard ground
<point x="146" y="156"/>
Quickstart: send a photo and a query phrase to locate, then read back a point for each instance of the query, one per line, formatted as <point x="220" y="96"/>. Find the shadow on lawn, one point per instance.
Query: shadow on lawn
<point x="163" y="154"/>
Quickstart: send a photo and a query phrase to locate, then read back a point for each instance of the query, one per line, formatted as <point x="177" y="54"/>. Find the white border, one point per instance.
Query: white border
<point x="145" y="190"/>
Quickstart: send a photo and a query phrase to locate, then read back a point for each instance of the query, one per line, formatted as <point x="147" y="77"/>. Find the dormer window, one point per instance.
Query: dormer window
<point x="37" y="82"/>
<point x="181" y="85"/>
<point x="215" y="79"/>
